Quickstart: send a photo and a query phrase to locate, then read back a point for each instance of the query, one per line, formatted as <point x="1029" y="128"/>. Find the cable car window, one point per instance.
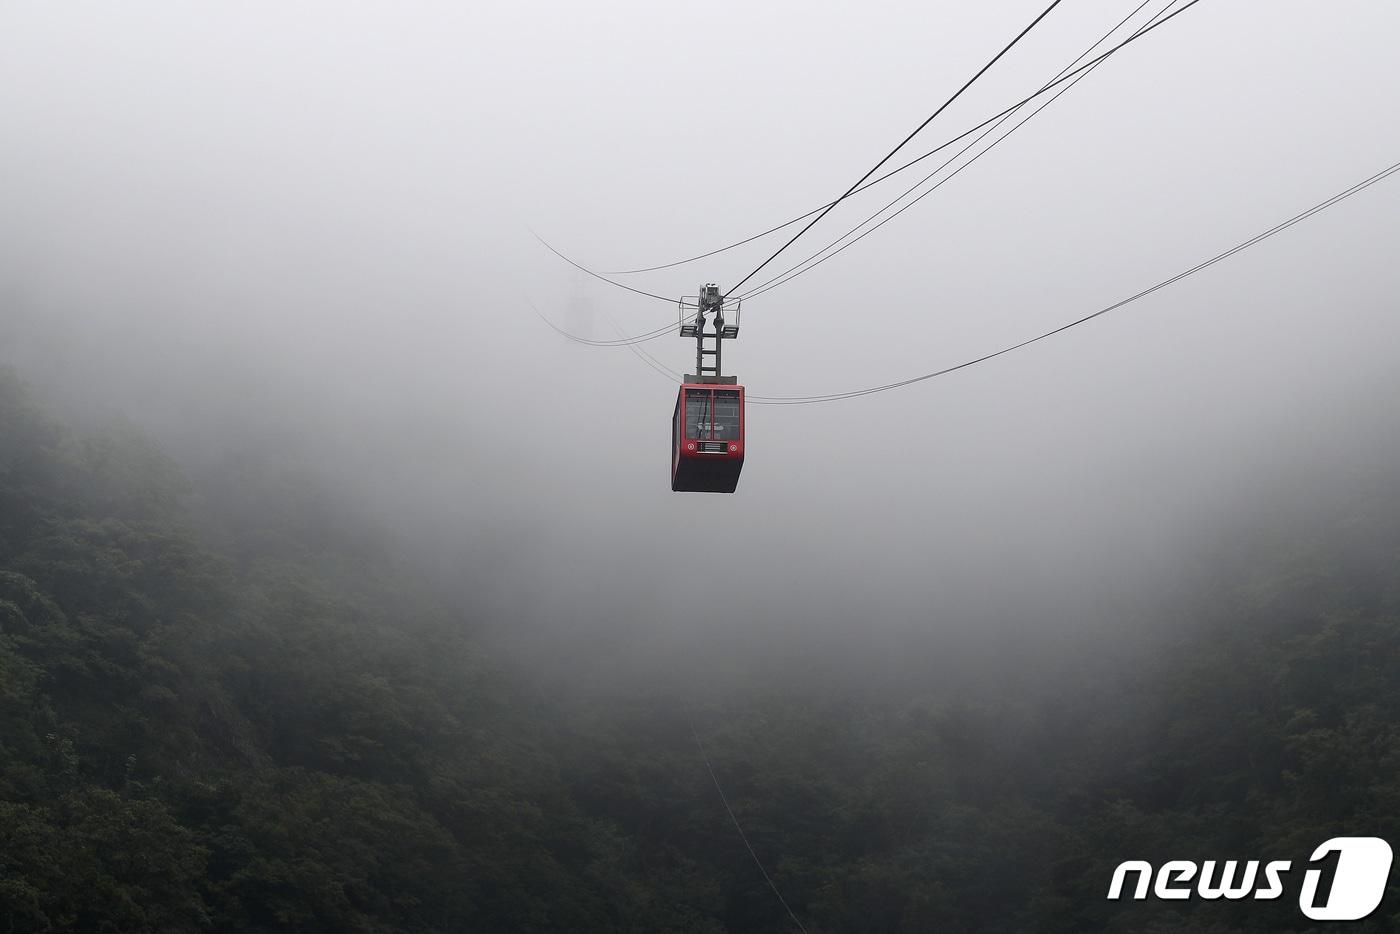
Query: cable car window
<point x="726" y="414"/>
<point x="699" y="419"/>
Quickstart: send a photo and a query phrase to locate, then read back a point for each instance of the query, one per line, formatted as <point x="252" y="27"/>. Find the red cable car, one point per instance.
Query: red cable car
<point x="707" y="438"/>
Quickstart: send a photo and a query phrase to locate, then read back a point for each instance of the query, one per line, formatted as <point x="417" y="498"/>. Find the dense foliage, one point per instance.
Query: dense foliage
<point x="228" y="713"/>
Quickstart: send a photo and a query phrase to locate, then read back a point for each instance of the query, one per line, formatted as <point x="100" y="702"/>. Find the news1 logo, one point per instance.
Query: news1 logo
<point x="1344" y="879"/>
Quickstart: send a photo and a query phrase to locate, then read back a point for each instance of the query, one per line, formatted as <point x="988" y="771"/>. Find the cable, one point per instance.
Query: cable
<point x="742" y="836"/>
<point x="670" y="374"/>
<point x="1258" y="238"/>
<point x="891" y="153"/>
<point x="628" y="342"/>
<point x="797" y="269"/>
<point x="621" y="342"/>
<point x="937" y="149"/>
<point x="642" y="355"/>
<point x="602" y="277"/>
<point x="790" y="273"/>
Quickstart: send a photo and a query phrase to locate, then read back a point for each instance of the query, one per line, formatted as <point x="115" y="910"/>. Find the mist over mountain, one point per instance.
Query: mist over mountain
<point x="338" y="592"/>
<point x="235" y="699"/>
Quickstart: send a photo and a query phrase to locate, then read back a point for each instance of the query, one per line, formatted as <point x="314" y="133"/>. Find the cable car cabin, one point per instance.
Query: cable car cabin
<point x="707" y="438"/>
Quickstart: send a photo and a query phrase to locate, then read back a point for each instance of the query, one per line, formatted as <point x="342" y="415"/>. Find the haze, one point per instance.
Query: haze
<point x="304" y="229"/>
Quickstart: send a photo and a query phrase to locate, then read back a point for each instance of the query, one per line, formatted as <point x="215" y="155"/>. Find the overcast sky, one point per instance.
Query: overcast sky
<point x="240" y="222"/>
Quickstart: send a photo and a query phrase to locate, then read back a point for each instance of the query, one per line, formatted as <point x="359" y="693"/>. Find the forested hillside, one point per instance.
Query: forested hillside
<point x="222" y="709"/>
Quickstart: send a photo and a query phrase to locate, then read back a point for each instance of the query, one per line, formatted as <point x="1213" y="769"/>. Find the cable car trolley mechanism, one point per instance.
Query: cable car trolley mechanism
<point x="707" y="428"/>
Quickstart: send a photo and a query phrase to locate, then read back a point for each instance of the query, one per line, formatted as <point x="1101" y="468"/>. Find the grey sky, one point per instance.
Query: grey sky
<point x="310" y="219"/>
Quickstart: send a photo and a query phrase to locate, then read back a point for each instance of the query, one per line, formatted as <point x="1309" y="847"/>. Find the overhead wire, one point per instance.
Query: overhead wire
<point x="891" y="154"/>
<point x="832" y="249"/>
<point x="756" y="399"/>
<point x="620" y="342"/>
<point x="739" y="827"/>
<point x="893" y="172"/>
<point x="1240" y="247"/>
<point x="656" y="364"/>
<point x="838" y="396"/>
<point x="596" y="275"/>
<point x="1077" y="75"/>
<point x="661" y="368"/>
<point x="641" y="354"/>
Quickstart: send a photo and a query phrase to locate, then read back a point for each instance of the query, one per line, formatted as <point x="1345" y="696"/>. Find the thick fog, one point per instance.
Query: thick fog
<point x="306" y="229"/>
